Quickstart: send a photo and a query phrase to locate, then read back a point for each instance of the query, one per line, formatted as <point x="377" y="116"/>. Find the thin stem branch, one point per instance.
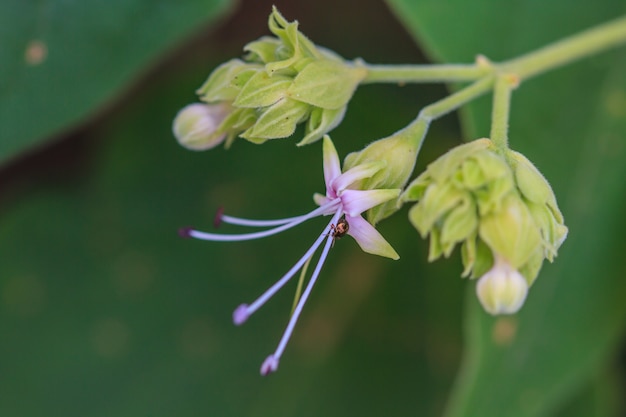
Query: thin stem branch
<point x="504" y="86"/>
<point x="581" y="45"/>
<point x="423" y="73"/>
<point x="419" y="127"/>
<point x="559" y="53"/>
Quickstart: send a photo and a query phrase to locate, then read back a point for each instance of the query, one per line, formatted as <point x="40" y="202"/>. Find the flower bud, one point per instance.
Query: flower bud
<point x="502" y="290"/>
<point x="281" y="82"/>
<point x="398" y="152"/>
<point x="495" y="204"/>
<point x="196" y="126"/>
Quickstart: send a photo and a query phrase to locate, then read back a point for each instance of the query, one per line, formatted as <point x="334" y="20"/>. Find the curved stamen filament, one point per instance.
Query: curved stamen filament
<point x="250" y="309"/>
<point x="275" y="357"/>
<point x="217" y="237"/>
<point x="257" y="223"/>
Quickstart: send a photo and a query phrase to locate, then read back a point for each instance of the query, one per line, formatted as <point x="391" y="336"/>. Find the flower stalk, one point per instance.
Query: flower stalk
<point x="504" y="86"/>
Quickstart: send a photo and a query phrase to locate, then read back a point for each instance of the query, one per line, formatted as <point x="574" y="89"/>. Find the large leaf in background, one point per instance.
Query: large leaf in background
<point x="105" y="311"/>
<point x="60" y="60"/>
<point x="572" y="124"/>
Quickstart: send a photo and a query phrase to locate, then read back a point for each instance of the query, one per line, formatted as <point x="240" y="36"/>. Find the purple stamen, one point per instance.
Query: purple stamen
<point x="185" y="232"/>
<point x="219" y="214"/>
<point x="217" y="237"/>
<point x="241" y="314"/>
<point x="270" y="364"/>
<point x="269" y="293"/>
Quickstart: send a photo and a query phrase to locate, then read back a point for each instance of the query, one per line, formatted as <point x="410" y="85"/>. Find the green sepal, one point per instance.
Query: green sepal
<point x="326" y="84"/>
<point x="416" y="189"/>
<point x="489" y="198"/>
<point x="261" y="90"/>
<point x="437" y="201"/>
<point x="434" y="247"/>
<point x="460" y="223"/>
<point x="530" y="270"/>
<point x="511" y="232"/>
<point x="483" y="168"/>
<point x="278" y="121"/>
<point x="476" y="256"/>
<point x="446" y="164"/>
<point x="399" y="151"/>
<point x="263" y="50"/>
<point x="321" y="121"/>
<point x="531" y="183"/>
<point x="225" y="81"/>
<point x="239" y="120"/>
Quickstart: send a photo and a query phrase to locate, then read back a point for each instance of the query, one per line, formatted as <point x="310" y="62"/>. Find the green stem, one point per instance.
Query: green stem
<point x="300" y="284"/>
<point x="418" y="128"/>
<point x="581" y="45"/>
<point x="500" y="112"/>
<point x="565" y="51"/>
<point x="423" y="73"/>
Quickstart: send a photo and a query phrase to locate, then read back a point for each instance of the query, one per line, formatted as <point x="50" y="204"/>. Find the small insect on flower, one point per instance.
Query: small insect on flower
<point x="339" y="230"/>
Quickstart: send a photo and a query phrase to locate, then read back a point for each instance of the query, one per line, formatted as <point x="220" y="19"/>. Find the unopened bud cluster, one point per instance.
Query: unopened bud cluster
<point x="499" y="208"/>
<point x="281" y="82"/>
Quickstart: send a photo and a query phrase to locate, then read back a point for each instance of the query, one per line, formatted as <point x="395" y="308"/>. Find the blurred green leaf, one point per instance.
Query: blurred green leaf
<point x="61" y="61"/>
<point x="601" y="396"/>
<point x="572" y="124"/>
<point x="107" y="312"/>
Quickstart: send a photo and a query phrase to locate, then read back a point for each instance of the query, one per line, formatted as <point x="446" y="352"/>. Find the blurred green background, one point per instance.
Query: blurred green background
<point x="105" y="311"/>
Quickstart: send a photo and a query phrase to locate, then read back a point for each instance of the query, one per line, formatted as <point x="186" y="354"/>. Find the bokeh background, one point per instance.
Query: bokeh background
<point x="105" y="311"/>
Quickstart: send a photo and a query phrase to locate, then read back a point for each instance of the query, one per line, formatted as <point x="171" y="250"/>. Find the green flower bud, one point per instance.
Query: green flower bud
<point x="196" y="126"/>
<point x="399" y="152"/>
<point x="282" y="81"/>
<point x="499" y="208"/>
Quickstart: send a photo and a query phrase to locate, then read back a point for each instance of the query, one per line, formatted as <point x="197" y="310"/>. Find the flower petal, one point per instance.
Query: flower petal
<point x="369" y="239"/>
<point x="320" y="199"/>
<point x="352" y="175"/>
<point x="355" y="202"/>
<point x="332" y="169"/>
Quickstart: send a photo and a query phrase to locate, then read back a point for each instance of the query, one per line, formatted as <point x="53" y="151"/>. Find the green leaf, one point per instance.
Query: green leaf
<point x="106" y="311"/>
<point x="574" y="133"/>
<point x="62" y="61"/>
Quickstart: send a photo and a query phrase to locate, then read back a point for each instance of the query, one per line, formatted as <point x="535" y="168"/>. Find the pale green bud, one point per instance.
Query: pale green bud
<point x="399" y="152"/>
<point x="502" y="290"/>
<point x="196" y="126"/>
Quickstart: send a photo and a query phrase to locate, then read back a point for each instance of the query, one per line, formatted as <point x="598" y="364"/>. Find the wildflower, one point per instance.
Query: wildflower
<point x="345" y="204"/>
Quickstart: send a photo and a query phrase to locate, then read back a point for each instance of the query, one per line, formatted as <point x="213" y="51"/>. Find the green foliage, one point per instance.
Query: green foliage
<point x="62" y="61"/>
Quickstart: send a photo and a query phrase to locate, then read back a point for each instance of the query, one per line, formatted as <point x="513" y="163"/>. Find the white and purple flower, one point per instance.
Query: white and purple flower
<point x="345" y="204"/>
